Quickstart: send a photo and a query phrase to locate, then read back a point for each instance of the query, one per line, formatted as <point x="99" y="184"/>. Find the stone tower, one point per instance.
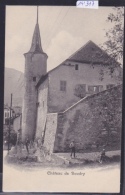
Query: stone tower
<point x="35" y="67"/>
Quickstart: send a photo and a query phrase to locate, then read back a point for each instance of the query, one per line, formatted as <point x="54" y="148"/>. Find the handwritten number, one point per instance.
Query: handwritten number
<point x="93" y="3"/>
<point x="80" y="3"/>
<point x="86" y="3"/>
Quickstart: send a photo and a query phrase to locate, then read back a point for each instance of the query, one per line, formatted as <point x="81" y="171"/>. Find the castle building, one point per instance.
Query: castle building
<point x="35" y="67"/>
<point x="7" y="112"/>
<point x="49" y="95"/>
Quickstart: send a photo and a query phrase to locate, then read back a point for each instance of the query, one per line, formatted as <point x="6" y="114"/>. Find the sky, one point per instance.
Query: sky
<point x="63" y="29"/>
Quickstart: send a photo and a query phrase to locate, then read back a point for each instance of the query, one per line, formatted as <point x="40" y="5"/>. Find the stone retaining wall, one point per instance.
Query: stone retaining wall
<point x="93" y="122"/>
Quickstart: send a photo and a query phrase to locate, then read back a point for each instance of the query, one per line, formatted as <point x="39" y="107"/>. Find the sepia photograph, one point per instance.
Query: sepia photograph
<point x="63" y="83"/>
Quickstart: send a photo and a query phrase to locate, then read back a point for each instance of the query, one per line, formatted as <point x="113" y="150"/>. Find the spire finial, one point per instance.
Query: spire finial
<point x="37" y="14"/>
<point x="36" y="40"/>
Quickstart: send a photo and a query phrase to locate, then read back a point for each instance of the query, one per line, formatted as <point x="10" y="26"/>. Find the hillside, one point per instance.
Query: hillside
<point x="13" y="83"/>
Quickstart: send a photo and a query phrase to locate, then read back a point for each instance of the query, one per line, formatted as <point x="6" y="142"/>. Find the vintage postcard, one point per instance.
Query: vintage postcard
<point x="63" y="99"/>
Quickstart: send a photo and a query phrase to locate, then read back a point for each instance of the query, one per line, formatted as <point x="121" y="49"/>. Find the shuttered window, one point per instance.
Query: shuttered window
<point x="62" y="85"/>
<point x="110" y="86"/>
<point x="95" y="89"/>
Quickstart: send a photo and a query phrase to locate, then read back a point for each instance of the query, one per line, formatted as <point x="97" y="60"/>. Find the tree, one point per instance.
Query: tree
<point x="115" y="35"/>
<point x="80" y="90"/>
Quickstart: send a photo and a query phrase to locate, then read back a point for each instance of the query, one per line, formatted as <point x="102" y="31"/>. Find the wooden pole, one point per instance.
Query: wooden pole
<point x="37" y="14"/>
<point x="9" y="124"/>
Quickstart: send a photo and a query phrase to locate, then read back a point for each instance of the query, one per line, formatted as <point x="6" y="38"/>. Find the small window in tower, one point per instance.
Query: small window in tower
<point x="76" y="67"/>
<point x="34" y="79"/>
<point x="43" y="103"/>
<point x="37" y="104"/>
<point x="62" y="85"/>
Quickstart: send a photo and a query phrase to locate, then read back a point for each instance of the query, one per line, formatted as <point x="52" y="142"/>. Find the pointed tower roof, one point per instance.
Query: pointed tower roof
<point x="36" y="40"/>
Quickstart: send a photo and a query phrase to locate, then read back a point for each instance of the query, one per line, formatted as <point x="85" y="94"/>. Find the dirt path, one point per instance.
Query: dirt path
<point x="83" y="179"/>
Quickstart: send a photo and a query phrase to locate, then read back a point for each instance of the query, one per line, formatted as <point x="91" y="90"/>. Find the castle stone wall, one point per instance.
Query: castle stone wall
<point x="41" y="109"/>
<point x="35" y="66"/>
<point x="29" y="102"/>
<point x="39" y="61"/>
<point x="50" y="131"/>
<point x="61" y="100"/>
<point x="93" y="122"/>
<point x="17" y="123"/>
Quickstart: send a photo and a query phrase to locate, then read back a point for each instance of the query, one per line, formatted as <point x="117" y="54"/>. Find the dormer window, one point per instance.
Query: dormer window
<point x="34" y="79"/>
<point x="76" y="67"/>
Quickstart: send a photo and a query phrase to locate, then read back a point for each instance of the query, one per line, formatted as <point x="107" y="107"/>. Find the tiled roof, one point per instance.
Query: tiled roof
<point x="36" y="41"/>
<point x="42" y="79"/>
<point x="91" y="53"/>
